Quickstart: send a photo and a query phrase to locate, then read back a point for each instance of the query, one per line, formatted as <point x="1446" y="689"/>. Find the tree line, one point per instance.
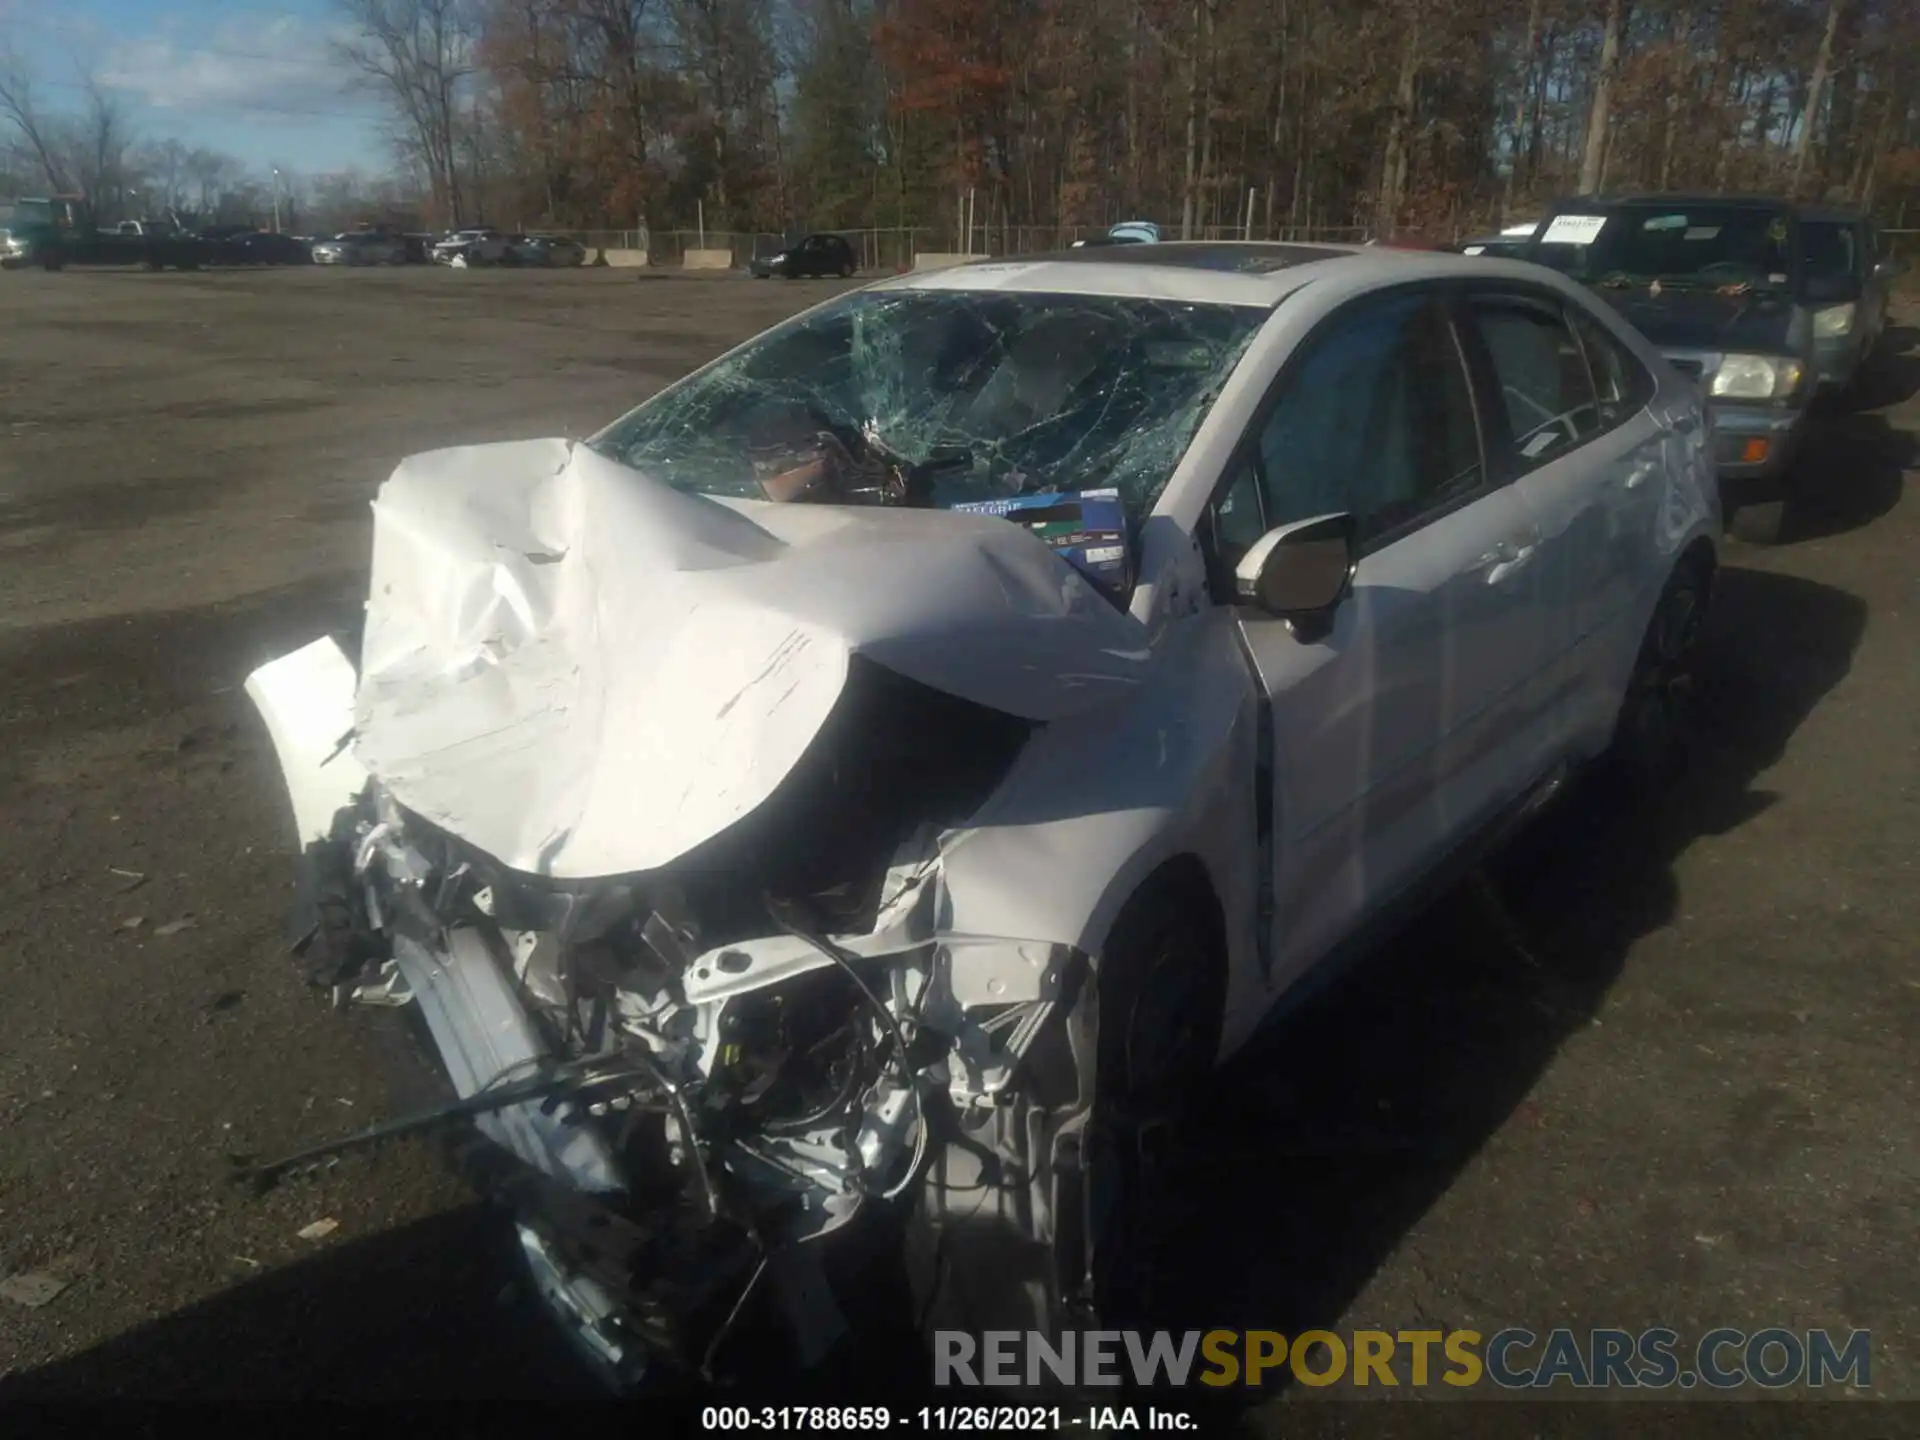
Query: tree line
<point x="93" y="149"/>
<point x="1210" y="116"/>
<point x="1036" y="117"/>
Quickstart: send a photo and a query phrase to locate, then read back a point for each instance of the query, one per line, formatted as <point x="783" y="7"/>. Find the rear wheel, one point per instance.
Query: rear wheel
<point x="846" y="269"/>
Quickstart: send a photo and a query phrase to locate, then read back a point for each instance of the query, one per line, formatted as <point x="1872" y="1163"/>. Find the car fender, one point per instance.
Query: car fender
<point x="1098" y="802"/>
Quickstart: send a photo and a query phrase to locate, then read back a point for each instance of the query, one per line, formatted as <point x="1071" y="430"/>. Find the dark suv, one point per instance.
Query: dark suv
<point x="1738" y="293"/>
<point x="1850" y="282"/>
<point x="814" y="255"/>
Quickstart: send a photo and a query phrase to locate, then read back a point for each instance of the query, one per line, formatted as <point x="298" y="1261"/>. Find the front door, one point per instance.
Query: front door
<point x="1394" y="734"/>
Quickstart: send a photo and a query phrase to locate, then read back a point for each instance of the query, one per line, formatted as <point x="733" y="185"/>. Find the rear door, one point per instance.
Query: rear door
<point x="1587" y="461"/>
<point x="1403" y="727"/>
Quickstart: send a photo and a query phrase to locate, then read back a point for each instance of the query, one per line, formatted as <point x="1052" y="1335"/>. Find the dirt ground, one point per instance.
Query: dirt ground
<point x="1661" y="1071"/>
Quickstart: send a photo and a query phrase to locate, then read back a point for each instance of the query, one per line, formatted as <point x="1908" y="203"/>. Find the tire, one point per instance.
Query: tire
<point x="846" y="272"/>
<point x="1160" y="992"/>
<point x="1657" y="714"/>
<point x="1761" y="524"/>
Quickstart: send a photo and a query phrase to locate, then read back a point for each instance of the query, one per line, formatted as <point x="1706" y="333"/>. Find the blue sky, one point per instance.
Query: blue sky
<point x="257" y="81"/>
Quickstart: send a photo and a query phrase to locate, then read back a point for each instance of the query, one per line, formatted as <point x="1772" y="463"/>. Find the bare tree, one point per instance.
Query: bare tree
<point x="1803" y="148"/>
<point x="164" y="166"/>
<point x="421" y="53"/>
<point x="1592" y="166"/>
<point x="101" y="140"/>
<point x="37" y="132"/>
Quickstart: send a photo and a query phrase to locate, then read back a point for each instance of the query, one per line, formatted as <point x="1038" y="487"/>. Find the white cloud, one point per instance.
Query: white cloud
<point x="264" y="64"/>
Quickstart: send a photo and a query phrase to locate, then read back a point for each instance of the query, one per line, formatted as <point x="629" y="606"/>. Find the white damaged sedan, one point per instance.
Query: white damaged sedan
<point x="884" y="772"/>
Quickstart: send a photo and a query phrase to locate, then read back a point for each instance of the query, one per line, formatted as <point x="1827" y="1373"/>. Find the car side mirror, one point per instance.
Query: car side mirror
<point x="1301" y="571"/>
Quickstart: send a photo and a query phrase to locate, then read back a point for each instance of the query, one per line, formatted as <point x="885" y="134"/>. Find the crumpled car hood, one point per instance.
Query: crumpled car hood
<point x="583" y="672"/>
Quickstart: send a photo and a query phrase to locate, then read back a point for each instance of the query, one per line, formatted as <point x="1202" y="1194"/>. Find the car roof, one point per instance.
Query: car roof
<point x="1654" y="197"/>
<point x="1235" y="272"/>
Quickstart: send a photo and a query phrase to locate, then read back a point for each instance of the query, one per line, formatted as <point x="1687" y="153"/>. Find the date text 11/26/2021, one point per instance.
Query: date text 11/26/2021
<point x="975" y="1419"/>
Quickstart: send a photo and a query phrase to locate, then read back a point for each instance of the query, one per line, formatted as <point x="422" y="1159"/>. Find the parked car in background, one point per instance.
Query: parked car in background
<point x="812" y="255"/>
<point x="361" y="247"/>
<point x="1850" y="285"/>
<point x="1509" y="244"/>
<point x="548" y="250"/>
<point x="57" y="231"/>
<point x="475" y="247"/>
<point x="259" y="247"/>
<point x="1723" y="287"/>
<point x="1127" y="232"/>
<point x="1104" y="647"/>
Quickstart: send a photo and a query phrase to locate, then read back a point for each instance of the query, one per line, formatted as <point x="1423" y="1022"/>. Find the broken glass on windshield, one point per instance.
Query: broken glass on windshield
<point x="937" y="398"/>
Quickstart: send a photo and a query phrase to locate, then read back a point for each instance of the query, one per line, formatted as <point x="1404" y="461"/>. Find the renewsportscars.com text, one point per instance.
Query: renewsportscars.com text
<point x="1512" y="1359"/>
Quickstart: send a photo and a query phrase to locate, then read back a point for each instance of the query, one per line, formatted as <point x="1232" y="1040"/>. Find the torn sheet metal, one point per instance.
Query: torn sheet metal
<point x="584" y="672"/>
<point x="485" y="1038"/>
<point x="306" y="698"/>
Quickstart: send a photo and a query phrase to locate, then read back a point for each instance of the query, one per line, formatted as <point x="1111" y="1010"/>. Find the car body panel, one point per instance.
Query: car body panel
<point x="500" y="571"/>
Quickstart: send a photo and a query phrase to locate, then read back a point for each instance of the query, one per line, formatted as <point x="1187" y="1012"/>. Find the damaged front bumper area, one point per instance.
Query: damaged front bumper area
<point x="751" y="1049"/>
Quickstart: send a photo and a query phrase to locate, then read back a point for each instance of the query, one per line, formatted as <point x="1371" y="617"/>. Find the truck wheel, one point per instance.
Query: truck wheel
<point x="1760" y="524"/>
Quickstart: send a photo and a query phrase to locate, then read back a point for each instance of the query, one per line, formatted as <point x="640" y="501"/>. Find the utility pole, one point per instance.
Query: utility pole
<point x="276" y="201"/>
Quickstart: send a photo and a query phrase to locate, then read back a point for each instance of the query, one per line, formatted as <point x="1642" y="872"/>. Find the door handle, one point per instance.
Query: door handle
<point x="1508" y="556"/>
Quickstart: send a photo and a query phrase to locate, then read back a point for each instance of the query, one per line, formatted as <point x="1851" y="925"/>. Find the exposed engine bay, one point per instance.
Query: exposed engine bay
<point x="747" y="1047"/>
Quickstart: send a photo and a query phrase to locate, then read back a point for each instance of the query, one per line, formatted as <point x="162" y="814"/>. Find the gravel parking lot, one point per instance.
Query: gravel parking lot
<point x="1660" y="1070"/>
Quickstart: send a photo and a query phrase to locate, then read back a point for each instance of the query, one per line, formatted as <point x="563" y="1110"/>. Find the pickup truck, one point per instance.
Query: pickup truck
<point x="59" y="231"/>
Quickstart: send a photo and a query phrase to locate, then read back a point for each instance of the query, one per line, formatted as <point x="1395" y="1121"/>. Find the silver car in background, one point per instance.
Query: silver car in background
<point x="361" y="247"/>
<point x="471" y="247"/>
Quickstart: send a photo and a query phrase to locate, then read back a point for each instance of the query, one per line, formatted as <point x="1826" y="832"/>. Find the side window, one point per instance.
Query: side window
<point x="1238" y="520"/>
<point x="1377" y="419"/>
<point x="1621" y="383"/>
<point x="1545" y="389"/>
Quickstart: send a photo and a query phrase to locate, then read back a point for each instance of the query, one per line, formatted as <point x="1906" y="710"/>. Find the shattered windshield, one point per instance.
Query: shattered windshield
<point x="945" y="397"/>
<point x="1703" y="247"/>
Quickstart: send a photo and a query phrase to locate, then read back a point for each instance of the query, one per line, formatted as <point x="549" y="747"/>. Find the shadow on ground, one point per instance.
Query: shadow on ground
<point x="1852" y="470"/>
<point x="1327" y="1145"/>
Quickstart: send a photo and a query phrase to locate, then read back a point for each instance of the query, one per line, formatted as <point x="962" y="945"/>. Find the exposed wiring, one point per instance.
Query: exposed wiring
<point x="888" y="1023"/>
